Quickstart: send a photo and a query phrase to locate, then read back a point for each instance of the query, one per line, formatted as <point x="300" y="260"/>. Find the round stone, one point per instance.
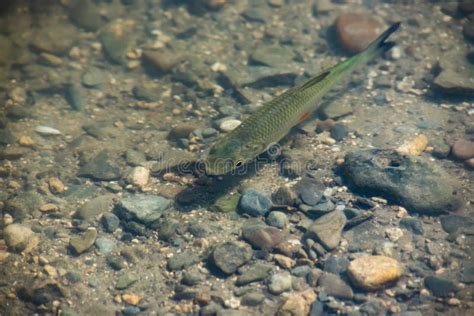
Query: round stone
<point x="463" y="149"/>
<point x="229" y="125"/>
<point x="374" y="272"/>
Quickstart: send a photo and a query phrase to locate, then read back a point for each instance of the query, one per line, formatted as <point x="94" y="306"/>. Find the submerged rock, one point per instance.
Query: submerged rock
<point x="357" y="30"/>
<point x="414" y="182"/>
<point x="254" y="203"/>
<point x="327" y="229"/>
<point x="262" y="236"/>
<point x="20" y="238"/>
<point x="231" y="255"/>
<point x="101" y="167"/>
<point x="457" y="73"/>
<point x="143" y="208"/>
<point x="374" y="272"/>
<point x="81" y="244"/>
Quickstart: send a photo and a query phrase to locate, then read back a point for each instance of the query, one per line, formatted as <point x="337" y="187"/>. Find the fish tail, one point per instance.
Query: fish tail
<point x="379" y="46"/>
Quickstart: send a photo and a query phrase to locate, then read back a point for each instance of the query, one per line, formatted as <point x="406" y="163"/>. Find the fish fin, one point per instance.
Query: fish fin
<point x="304" y="117"/>
<point x="314" y="80"/>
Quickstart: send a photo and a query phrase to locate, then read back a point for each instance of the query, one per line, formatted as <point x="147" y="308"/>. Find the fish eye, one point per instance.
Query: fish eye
<point x="238" y="163"/>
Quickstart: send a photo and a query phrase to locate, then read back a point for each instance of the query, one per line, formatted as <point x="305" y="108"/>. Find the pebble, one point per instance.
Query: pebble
<point x="114" y="46"/>
<point x="309" y="191"/>
<point x="439" y="286"/>
<point x="139" y="176"/>
<point x="144" y="208"/>
<point x="469" y="163"/>
<point x="252" y="299"/>
<point x="81" y="244"/>
<point x="93" y="77"/>
<point x="182" y="261"/>
<point x="279" y="283"/>
<point x="357" y="30"/>
<point x="226" y="204"/>
<point x="75" y="96"/>
<point x="85" y="14"/>
<point x="131" y="299"/>
<point x="255" y="273"/>
<point x="413" y="225"/>
<point x="374" y="272"/>
<point x="327" y="229"/>
<point x="229" y="256"/>
<point x="277" y="219"/>
<point x="125" y="281"/>
<point x="105" y="245"/>
<point x="414" y="146"/>
<point x="56" y="185"/>
<point x="339" y="131"/>
<point x="111" y="222"/>
<point x="394" y="233"/>
<point x="47" y="131"/>
<point x="162" y="62"/>
<point x="333" y="285"/>
<point x="20" y="238"/>
<point x="262" y="236"/>
<point x="254" y="203"/>
<point x="463" y="149"/>
<point x="95" y="207"/>
<point x="298" y="304"/>
<point x="229" y="125"/>
<point x="284" y="196"/>
<point x="182" y="130"/>
<point x="102" y="167"/>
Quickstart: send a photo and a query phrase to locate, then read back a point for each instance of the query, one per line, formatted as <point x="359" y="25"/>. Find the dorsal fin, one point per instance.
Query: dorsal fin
<point x="314" y="80"/>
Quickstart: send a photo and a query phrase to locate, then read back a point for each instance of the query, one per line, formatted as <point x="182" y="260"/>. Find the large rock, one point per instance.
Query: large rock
<point x="457" y="73"/>
<point x="357" y="30"/>
<point x="374" y="272"/>
<point x="413" y="182"/>
<point x="143" y="208"/>
<point x="20" y="238"/>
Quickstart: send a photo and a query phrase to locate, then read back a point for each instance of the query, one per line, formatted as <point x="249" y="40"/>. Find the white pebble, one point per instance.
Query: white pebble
<point x="46" y="130"/>
<point x="228" y="125"/>
<point x="395" y="53"/>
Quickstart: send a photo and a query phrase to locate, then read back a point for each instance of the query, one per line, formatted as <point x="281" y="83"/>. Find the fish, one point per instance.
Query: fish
<point x="270" y="123"/>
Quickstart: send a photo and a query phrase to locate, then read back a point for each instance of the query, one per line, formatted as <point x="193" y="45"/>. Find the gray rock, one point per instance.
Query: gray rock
<point x="101" y="168"/>
<point x="327" y="229"/>
<point x="467" y="272"/>
<point x="125" y="281"/>
<point x="85" y="14"/>
<point x="81" y="244"/>
<point x="23" y="205"/>
<point x="192" y="278"/>
<point x="255" y="273"/>
<point x="231" y="255"/>
<point x="262" y="236"/>
<point x="336" y="265"/>
<point x="456" y="73"/>
<point x="93" y="77"/>
<point x="75" y="96"/>
<point x="339" y="131"/>
<point x="439" y="287"/>
<point x="95" y="207"/>
<point x="105" y="245"/>
<point x="413" y="182"/>
<point x="272" y="56"/>
<point x="254" y="203"/>
<point x="296" y="163"/>
<point x="144" y="94"/>
<point x="111" y="222"/>
<point x="167" y="229"/>
<point x="182" y="261"/>
<point x="452" y="223"/>
<point x="336" y="109"/>
<point x="116" y="262"/>
<point x="412" y="224"/>
<point x="279" y="283"/>
<point x="135" y="158"/>
<point x="143" y="208"/>
<point x="333" y="285"/>
<point x="284" y="196"/>
<point x="277" y="219"/>
<point x="54" y="38"/>
<point x="114" y="47"/>
<point x="309" y="191"/>
<point x="253" y="298"/>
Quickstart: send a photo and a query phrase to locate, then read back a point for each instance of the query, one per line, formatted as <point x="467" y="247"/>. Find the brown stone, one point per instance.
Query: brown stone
<point x="181" y="130"/>
<point x="463" y="149"/>
<point x="298" y="304"/>
<point x="161" y="61"/>
<point x="414" y="146"/>
<point x="357" y="30"/>
<point x="374" y="272"/>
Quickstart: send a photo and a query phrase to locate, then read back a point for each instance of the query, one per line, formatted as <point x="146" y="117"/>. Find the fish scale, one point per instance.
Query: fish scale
<point x="275" y="118"/>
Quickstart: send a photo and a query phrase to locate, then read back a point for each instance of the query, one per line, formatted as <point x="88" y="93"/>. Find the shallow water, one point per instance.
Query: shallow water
<point x="108" y="110"/>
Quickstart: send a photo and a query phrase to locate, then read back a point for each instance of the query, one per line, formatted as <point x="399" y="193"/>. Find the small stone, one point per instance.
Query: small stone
<point x="111" y="222"/>
<point x="131" y="299"/>
<point x="441" y="150"/>
<point x="116" y="262"/>
<point x="439" y="287"/>
<point x="20" y="238"/>
<point x="339" y="131"/>
<point x="56" y="185"/>
<point x="309" y="191"/>
<point x="75" y="96"/>
<point x="333" y="285"/>
<point x="144" y="208"/>
<point x="81" y="244"/>
<point x="93" y="77"/>
<point x="114" y="46"/>
<point x="277" y="219"/>
<point x="413" y="225"/>
<point x="262" y="236"/>
<point x="374" y="272"/>
<point x="85" y="14"/>
<point x="357" y="30"/>
<point x="254" y="203"/>
<point x="336" y="110"/>
<point x="182" y="130"/>
<point x="284" y="196"/>
<point x="394" y="233"/>
<point x="279" y="283"/>
<point x="252" y="299"/>
<point x="105" y="245"/>
<point x="231" y="255"/>
<point x="463" y="149"/>
<point x="327" y="229"/>
<point x="101" y="167"/>
<point x="139" y="176"/>
<point x="182" y="261"/>
<point x="161" y="62"/>
<point x="469" y="163"/>
<point x="414" y="146"/>
<point x="125" y="281"/>
<point x="26" y="141"/>
<point x="255" y="273"/>
<point x="49" y="208"/>
<point x="95" y="207"/>
<point x="229" y="125"/>
<point x="298" y="304"/>
<point x="226" y="204"/>
<point x="284" y="261"/>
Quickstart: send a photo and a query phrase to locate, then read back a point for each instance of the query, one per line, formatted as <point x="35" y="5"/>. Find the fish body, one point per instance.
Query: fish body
<point x="274" y="119"/>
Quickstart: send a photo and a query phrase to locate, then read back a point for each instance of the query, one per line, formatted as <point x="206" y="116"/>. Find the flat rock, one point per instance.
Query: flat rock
<point x="54" y="38"/>
<point x="357" y="30"/>
<point x="182" y="261"/>
<point x="413" y="182"/>
<point x="81" y="244"/>
<point x="255" y="273"/>
<point x="229" y="256"/>
<point x="161" y="62"/>
<point x="279" y="283"/>
<point x="254" y="203"/>
<point x="336" y="110"/>
<point x="327" y="229"/>
<point x="457" y="73"/>
<point x="262" y="236"/>
<point x="333" y="285"/>
<point x="374" y="272"/>
<point x="298" y="304"/>
<point x="101" y="167"/>
<point x="143" y="208"/>
<point x="440" y="287"/>
<point x="95" y="207"/>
